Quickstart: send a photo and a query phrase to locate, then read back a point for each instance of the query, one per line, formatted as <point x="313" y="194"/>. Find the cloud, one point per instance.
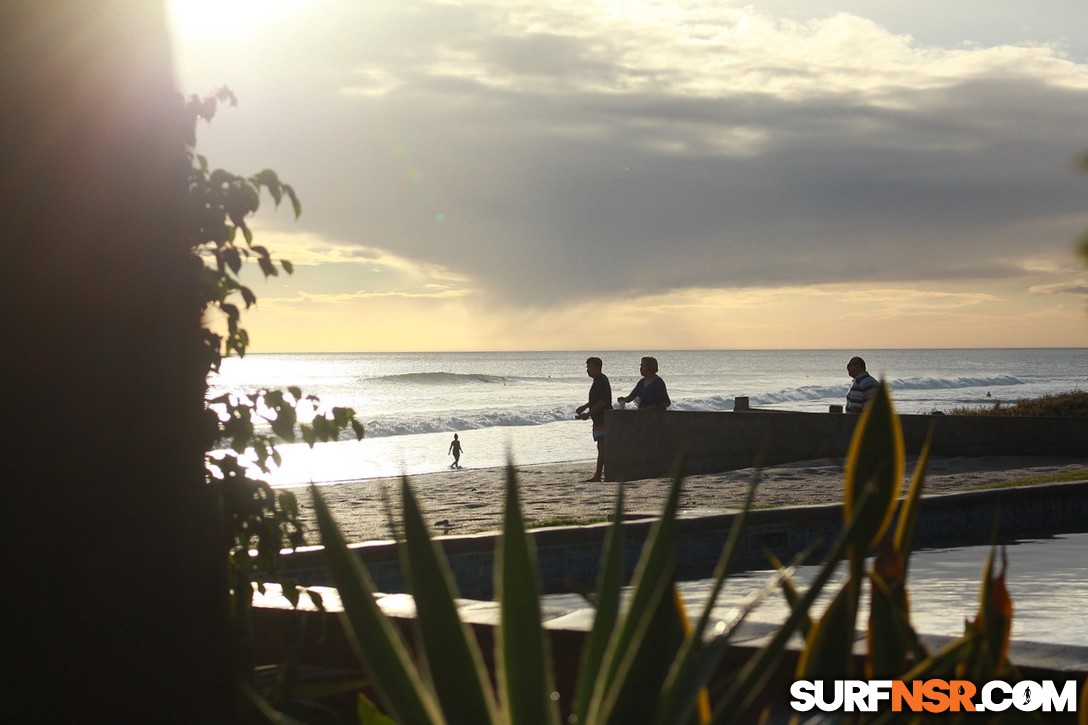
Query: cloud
<point x="1069" y="288"/>
<point x="548" y="153"/>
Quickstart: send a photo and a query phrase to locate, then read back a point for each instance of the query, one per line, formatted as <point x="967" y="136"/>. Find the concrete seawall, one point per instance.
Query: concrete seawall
<point x="646" y="444"/>
<point x="569" y="556"/>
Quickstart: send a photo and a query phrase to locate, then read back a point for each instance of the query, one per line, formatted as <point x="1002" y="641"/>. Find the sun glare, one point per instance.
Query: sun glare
<point x="189" y="18"/>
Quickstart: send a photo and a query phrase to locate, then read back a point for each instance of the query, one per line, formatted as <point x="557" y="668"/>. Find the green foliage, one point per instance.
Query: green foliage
<point x="218" y="205"/>
<point x="258" y="521"/>
<point x="645" y="662"/>
<point x="1073" y="404"/>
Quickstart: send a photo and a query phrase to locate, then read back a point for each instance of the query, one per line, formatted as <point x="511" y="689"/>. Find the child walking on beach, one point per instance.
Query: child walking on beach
<point x="455" y="449"/>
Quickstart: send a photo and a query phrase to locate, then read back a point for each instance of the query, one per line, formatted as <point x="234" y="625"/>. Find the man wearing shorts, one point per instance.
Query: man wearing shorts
<point x="600" y="400"/>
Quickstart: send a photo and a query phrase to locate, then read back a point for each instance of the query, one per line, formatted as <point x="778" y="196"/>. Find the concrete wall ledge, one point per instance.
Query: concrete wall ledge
<point x="646" y="444"/>
<point x="569" y="556"/>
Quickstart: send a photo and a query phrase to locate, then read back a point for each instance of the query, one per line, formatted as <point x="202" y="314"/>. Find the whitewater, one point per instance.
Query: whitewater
<point x="521" y="404"/>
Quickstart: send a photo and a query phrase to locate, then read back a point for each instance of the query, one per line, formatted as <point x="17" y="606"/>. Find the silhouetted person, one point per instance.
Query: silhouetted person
<point x="864" y="387"/>
<point x="649" y="392"/>
<point x="455" y="449"/>
<point x="600" y="400"/>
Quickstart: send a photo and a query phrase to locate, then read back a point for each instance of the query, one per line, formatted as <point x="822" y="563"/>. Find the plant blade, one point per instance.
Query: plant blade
<point x="384" y="655"/>
<point x="523" y="660"/>
<point x="652" y="579"/>
<point x="454" y="661"/>
<point x="609" y="583"/>
<point x="908" y="512"/>
<point x="875" y="463"/>
<point x="683" y="688"/>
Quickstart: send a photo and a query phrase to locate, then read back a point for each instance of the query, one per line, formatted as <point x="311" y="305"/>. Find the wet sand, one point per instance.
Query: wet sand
<point x="471" y="500"/>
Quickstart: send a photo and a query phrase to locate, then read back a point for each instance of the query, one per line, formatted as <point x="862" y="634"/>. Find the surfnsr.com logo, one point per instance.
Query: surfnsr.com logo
<point x="933" y="696"/>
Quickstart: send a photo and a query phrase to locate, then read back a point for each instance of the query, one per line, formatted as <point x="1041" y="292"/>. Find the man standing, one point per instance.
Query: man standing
<point x="864" y="387"/>
<point x="600" y="400"/>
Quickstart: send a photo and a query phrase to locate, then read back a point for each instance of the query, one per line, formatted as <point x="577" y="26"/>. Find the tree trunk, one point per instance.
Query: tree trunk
<point x="116" y="593"/>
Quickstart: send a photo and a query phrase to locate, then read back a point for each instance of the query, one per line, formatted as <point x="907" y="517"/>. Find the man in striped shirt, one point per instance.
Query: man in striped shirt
<point x="864" y="387"/>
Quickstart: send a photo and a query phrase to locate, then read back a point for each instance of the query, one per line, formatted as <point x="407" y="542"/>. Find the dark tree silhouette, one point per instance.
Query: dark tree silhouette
<point x="116" y="589"/>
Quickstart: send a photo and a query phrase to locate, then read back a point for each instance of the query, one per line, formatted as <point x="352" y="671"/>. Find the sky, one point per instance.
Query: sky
<point x="590" y="175"/>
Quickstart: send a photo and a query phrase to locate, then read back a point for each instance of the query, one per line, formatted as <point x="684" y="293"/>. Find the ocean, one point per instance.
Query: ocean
<point x="520" y="405"/>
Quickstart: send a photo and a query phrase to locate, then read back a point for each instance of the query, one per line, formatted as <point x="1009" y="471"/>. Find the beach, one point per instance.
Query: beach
<point x="470" y="500"/>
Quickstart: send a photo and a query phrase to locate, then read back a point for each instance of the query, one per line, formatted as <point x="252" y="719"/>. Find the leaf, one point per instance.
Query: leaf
<point x="342" y="415"/>
<point x="747" y="685"/>
<point x="651" y="582"/>
<point x="267" y="267"/>
<point x="944" y="660"/>
<point x="369" y="714"/>
<point x="454" y="661"/>
<point x="828" y="652"/>
<point x="908" y="512"/>
<point x="691" y="674"/>
<point x="295" y="203"/>
<point x="994" y="618"/>
<point x="792" y="597"/>
<point x="609" y="582"/>
<point x="647" y="665"/>
<point x="291" y="591"/>
<point x="885" y="636"/>
<point x="283" y="424"/>
<point x="232" y="259"/>
<point x="523" y="661"/>
<point x="682" y="688"/>
<point x="384" y="656"/>
<point x="875" y="463"/>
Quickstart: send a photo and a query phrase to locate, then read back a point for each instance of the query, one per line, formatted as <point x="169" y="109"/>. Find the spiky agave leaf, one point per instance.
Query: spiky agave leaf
<point x="454" y="661"/>
<point x="652" y="582"/>
<point x="829" y="647"/>
<point x="745" y="688"/>
<point x="684" y="691"/>
<point x="874" y="464"/>
<point x="523" y="661"/>
<point x="606" y="613"/>
<point x="994" y="619"/>
<point x="384" y="655"/>
<point x="908" y="511"/>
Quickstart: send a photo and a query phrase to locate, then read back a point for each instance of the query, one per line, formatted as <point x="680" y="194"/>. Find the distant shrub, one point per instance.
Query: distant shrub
<point x="1073" y="404"/>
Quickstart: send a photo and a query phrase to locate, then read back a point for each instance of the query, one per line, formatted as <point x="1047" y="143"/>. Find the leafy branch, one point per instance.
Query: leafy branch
<point x="258" y="521"/>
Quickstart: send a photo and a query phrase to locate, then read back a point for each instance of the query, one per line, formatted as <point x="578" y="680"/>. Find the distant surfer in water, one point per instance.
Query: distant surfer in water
<point x="455" y="449"/>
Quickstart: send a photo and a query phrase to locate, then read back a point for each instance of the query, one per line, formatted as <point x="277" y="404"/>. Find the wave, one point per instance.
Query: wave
<point x="814" y="393"/>
<point x="476" y="420"/>
<point x="440" y="378"/>
<point x="804" y="397"/>
<point x="954" y="383"/>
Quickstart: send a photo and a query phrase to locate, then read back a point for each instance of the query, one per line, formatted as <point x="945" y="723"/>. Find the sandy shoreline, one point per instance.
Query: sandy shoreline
<point x="471" y="500"/>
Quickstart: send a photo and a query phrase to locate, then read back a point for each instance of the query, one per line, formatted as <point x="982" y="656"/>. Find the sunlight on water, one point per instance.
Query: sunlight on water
<point x="1047" y="579"/>
<point x="429" y="452"/>
<point x="412" y="403"/>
